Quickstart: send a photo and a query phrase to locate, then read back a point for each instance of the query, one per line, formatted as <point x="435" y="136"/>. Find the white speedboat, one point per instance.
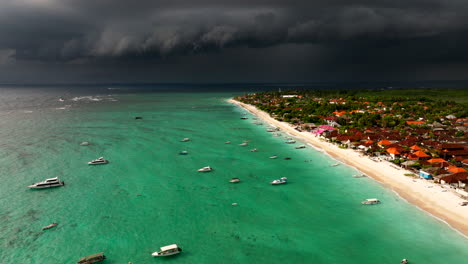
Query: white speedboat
<point x="371" y="201"/>
<point x="253" y="150"/>
<point x="183" y="152"/>
<point x="98" y="161"/>
<point x="290" y="141"/>
<point x="227" y="142"/>
<point x="205" y="169"/>
<point x="185" y="139"/>
<point x="282" y="180"/>
<point x="167" y="251"/>
<point x="50" y="226"/>
<point x="359" y="175"/>
<point x="234" y="180"/>
<point x="404" y="261"/>
<point x="334" y="165"/>
<point x="274" y="157"/>
<point x="243" y="144"/>
<point x="270" y="130"/>
<point x="47" y="183"/>
<point x="84" y="143"/>
<point x="300" y="147"/>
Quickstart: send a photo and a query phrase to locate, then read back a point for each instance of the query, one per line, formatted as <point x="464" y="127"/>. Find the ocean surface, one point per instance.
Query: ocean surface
<point x="149" y="196"/>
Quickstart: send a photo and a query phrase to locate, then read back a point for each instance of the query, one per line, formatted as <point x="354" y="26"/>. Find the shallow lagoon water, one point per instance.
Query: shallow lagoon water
<point x="150" y="196"/>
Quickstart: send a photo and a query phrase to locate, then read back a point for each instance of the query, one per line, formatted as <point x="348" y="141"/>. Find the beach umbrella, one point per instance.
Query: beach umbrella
<point x="415" y="147"/>
<point x="384" y="142"/>
<point x="393" y="151"/>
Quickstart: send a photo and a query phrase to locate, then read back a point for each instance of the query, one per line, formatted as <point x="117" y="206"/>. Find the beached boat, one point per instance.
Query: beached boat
<point x="167" y="251"/>
<point x="463" y="203"/>
<point x="404" y="261"/>
<point x="300" y="147"/>
<point x="205" y="169"/>
<point x="49" y="226"/>
<point x="98" y="161"/>
<point x="274" y="157"/>
<point x="291" y="141"/>
<point x="183" y="152"/>
<point x="84" y="143"/>
<point x="47" y="183"/>
<point x="92" y="258"/>
<point x="185" y="139"/>
<point x="282" y="180"/>
<point x="234" y="180"/>
<point x="371" y="201"/>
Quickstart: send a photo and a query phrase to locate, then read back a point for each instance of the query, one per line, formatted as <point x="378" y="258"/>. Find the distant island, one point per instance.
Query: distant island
<point x="420" y="134"/>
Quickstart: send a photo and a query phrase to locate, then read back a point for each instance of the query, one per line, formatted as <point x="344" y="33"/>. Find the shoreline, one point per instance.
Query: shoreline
<point x="425" y="195"/>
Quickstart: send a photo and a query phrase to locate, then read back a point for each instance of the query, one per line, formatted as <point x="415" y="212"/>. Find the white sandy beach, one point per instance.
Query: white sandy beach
<point x="426" y="195"/>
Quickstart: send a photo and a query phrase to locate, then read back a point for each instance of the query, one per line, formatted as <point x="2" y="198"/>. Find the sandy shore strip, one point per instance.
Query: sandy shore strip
<point x="426" y="195"/>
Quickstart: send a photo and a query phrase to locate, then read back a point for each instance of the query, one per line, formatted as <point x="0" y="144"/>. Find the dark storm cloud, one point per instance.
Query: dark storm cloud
<point x="163" y="33"/>
<point x="72" y="30"/>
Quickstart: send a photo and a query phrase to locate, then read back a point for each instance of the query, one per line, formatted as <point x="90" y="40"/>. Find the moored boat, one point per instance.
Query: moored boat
<point x="282" y="180"/>
<point x="185" y="139"/>
<point x="291" y="141"/>
<point x="98" y="161"/>
<point x="234" y="180"/>
<point x="253" y="150"/>
<point x="84" y="143"/>
<point x="300" y="147"/>
<point x="404" y="261"/>
<point x="243" y="144"/>
<point x="183" y="152"/>
<point x="371" y="201"/>
<point x="274" y="157"/>
<point x="92" y="258"/>
<point x="49" y="226"/>
<point x="47" y="183"/>
<point x="167" y="251"/>
<point x="205" y="169"/>
<point x="334" y="165"/>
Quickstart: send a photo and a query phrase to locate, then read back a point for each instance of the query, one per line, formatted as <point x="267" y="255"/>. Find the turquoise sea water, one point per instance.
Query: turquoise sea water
<point x="149" y="196"/>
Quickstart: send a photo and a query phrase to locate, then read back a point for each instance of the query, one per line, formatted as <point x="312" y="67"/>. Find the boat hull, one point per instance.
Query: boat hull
<point x="46" y="186"/>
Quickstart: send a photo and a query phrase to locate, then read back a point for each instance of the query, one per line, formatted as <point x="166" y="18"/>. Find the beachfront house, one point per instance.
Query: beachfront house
<point x="425" y="175"/>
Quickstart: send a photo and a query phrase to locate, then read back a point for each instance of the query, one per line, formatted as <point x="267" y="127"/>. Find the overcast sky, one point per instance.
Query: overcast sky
<point x="90" y="41"/>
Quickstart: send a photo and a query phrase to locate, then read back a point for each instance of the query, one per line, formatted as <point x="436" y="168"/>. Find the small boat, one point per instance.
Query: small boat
<point x="50" y="226"/>
<point x="287" y="158"/>
<point x="138" y="117"/>
<point x="234" y="204"/>
<point x="270" y="130"/>
<point x="167" y="251"/>
<point x="92" y="258"/>
<point x="334" y="165"/>
<point x="47" y="183"/>
<point x="234" y="180"/>
<point x="404" y="261"/>
<point x="274" y="157"/>
<point x="463" y="203"/>
<point x="290" y="141"/>
<point x="243" y="144"/>
<point x="227" y="142"/>
<point x="300" y="147"/>
<point x="84" y="143"/>
<point x="244" y="117"/>
<point x="253" y="150"/>
<point x="98" y="161"/>
<point x="359" y="175"/>
<point x="282" y="180"/>
<point x="183" y="152"/>
<point x="371" y="201"/>
<point x="185" y="139"/>
<point x="205" y="169"/>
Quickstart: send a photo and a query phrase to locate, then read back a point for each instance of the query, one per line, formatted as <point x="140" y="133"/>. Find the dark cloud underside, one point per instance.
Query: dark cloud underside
<point x="315" y="38"/>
